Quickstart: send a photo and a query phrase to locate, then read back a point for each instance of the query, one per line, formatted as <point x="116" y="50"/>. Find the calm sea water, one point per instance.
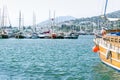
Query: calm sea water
<point x="52" y="59"/>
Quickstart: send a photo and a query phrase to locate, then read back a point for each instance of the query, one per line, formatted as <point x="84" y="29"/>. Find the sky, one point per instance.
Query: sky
<point x="41" y="8"/>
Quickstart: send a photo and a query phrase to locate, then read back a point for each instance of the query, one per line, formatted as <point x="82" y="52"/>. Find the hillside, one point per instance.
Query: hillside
<point x="66" y="23"/>
<point x="115" y="14"/>
<point x="90" y="23"/>
<point x="95" y="19"/>
<point x="57" y="20"/>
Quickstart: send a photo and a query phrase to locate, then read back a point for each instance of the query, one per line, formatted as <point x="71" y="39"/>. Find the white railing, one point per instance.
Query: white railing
<point x="106" y="45"/>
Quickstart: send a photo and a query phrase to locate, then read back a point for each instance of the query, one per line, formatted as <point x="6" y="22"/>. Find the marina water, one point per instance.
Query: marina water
<point x="52" y="59"/>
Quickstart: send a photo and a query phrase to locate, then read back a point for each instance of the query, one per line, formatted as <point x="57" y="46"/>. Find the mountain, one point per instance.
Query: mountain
<point x="95" y="19"/>
<point x="115" y="14"/>
<point x="68" y="22"/>
<point x="90" y="23"/>
<point x="57" y="20"/>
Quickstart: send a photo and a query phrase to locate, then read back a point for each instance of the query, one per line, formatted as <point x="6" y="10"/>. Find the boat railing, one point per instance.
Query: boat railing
<point x="112" y="41"/>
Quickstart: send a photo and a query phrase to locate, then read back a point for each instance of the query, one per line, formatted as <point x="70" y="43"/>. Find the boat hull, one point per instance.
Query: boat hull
<point x="4" y="36"/>
<point x="113" y="60"/>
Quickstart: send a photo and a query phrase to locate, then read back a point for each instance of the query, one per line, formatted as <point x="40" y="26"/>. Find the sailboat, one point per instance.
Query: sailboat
<point x="20" y="34"/>
<point x="3" y="31"/>
<point x="34" y="31"/>
<point x="107" y="45"/>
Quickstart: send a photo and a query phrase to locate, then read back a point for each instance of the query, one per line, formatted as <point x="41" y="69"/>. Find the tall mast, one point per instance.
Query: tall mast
<point x="105" y="17"/>
<point x="54" y="19"/>
<point x="34" y="22"/>
<point x="3" y="15"/>
<point x="105" y="7"/>
<point x="7" y="18"/>
<point x="19" y="20"/>
<point x="50" y="24"/>
<point x="22" y="20"/>
<point x="0" y="18"/>
<point x="50" y="15"/>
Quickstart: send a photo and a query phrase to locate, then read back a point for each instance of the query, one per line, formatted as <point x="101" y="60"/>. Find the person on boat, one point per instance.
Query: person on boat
<point x="103" y="31"/>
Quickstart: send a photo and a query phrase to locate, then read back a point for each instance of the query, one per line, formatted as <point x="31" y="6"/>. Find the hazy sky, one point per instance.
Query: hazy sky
<point x="75" y="8"/>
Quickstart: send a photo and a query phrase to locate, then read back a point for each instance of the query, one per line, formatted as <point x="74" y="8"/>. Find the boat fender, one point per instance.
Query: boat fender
<point x="95" y="49"/>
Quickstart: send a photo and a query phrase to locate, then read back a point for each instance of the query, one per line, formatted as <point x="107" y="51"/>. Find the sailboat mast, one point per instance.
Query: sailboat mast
<point x="53" y="22"/>
<point x="54" y="19"/>
<point x="50" y="24"/>
<point x="19" y="20"/>
<point x="105" y="7"/>
<point x="0" y="18"/>
<point x="50" y="16"/>
<point x="34" y="22"/>
<point x="22" y="21"/>
<point x="2" y="24"/>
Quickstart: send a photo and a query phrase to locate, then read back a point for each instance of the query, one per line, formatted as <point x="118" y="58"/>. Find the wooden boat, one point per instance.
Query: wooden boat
<point x="107" y="45"/>
<point x="108" y="48"/>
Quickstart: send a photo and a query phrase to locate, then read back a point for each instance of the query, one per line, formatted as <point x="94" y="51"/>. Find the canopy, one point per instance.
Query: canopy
<point x="113" y="19"/>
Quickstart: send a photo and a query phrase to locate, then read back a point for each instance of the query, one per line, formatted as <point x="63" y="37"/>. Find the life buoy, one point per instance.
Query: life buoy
<point x="95" y="49"/>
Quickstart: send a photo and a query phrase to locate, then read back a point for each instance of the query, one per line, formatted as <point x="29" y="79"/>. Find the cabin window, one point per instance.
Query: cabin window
<point x="112" y="39"/>
<point x="116" y="40"/>
<point x="119" y="40"/>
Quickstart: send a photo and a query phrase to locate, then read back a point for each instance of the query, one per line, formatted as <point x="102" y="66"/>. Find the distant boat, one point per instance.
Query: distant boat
<point x="3" y="33"/>
<point x="34" y="35"/>
<point x="44" y="36"/>
<point x="20" y="33"/>
<point x="82" y="33"/>
<point x="57" y="36"/>
<point x="60" y="35"/>
<point x="27" y="35"/>
<point x="71" y="35"/>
